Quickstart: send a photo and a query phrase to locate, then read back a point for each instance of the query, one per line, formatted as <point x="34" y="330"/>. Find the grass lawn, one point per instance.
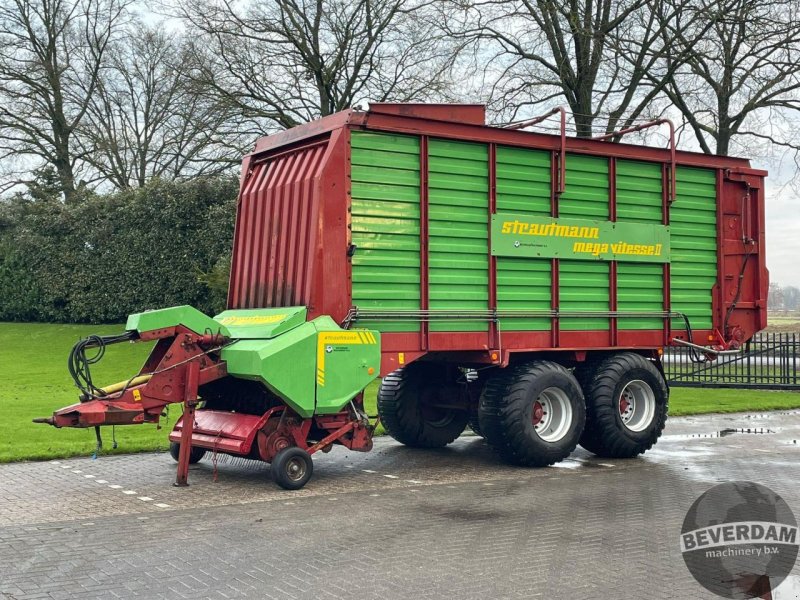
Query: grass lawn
<point x="35" y="382"/>
<point x="696" y="401"/>
<point x="783" y="324"/>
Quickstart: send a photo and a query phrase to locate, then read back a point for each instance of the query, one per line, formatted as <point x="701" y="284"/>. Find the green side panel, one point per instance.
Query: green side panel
<point x="385" y="224"/>
<point x="639" y="191"/>
<point x="286" y="364"/>
<point x="583" y="286"/>
<point x="586" y="194"/>
<point x="693" y="227"/>
<point x="187" y="316"/>
<point x="523" y="188"/>
<point x="640" y="287"/>
<point x="523" y="181"/>
<point x="261" y="323"/>
<point x="347" y="361"/>
<point x="458" y="263"/>
<point x="316" y="368"/>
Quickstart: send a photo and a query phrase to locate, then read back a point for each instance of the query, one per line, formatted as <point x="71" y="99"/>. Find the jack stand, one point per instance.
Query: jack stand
<point x="189" y="402"/>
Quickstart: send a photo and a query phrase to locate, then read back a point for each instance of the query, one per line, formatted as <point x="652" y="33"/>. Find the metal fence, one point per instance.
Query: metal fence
<point x="769" y="361"/>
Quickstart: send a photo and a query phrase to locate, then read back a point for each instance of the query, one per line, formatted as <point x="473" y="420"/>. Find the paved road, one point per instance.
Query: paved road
<point x="394" y="523"/>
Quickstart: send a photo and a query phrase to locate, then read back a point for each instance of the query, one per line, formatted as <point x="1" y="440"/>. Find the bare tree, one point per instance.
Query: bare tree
<point x="51" y="55"/>
<point x="740" y="72"/>
<point x="599" y="55"/>
<point x="283" y="62"/>
<point x="148" y="119"/>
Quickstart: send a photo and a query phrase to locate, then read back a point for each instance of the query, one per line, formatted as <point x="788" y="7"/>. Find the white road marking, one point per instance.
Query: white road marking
<point x="368" y="471"/>
<point x="119" y="487"/>
<point x="288" y="503"/>
<point x="413" y="481"/>
<point x="374" y="495"/>
<point x="392" y="476"/>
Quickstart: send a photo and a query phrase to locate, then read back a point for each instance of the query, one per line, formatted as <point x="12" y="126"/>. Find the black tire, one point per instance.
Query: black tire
<point x="474" y="422"/>
<point x="508" y="412"/>
<point x="292" y="468"/>
<point x="405" y="401"/>
<point x="195" y="455"/>
<point x="613" y="430"/>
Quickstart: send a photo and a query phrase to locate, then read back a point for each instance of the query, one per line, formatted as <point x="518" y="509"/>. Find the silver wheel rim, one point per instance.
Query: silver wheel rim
<point x="637" y="405"/>
<point x="296" y="468"/>
<point x="552" y="414"/>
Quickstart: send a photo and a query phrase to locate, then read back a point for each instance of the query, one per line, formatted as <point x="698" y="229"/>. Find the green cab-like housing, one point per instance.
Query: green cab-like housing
<point x="315" y="367"/>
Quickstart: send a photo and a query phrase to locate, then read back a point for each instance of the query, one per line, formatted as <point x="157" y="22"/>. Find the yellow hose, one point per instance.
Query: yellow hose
<point x="117" y="387"/>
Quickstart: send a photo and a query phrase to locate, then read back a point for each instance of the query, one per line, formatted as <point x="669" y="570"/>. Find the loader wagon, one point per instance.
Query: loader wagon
<point x="517" y="283"/>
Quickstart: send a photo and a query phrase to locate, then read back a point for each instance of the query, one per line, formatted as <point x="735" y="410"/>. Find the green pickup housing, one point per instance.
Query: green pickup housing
<point x="315" y="367"/>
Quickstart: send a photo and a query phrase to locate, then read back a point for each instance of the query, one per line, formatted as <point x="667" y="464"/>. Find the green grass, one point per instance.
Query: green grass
<point x="697" y="401"/>
<point x="35" y="382"/>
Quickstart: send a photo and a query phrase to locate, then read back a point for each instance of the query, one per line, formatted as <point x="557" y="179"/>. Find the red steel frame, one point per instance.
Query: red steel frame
<point x="330" y="222"/>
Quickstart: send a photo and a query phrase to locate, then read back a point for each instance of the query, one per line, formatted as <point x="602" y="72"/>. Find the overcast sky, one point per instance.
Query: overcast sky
<point x="783" y="223"/>
<point x="783" y="235"/>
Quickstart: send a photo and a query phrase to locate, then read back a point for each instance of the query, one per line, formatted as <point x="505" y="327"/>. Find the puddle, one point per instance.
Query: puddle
<point x="720" y="433"/>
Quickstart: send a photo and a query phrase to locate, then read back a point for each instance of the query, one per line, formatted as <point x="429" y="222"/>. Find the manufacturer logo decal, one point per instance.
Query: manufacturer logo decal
<point x="739" y="540"/>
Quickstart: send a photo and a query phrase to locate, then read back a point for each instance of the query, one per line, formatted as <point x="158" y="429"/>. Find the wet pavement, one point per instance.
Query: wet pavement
<point x="393" y="523"/>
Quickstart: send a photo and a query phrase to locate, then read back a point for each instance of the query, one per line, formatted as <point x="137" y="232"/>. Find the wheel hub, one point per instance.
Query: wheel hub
<point x="625" y="404"/>
<point x="637" y="405"/>
<point x="296" y="469"/>
<point x="538" y="413"/>
<point x="551" y="414"/>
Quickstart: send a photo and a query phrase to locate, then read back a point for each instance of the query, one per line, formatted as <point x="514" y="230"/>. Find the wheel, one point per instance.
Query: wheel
<point x="292" y="468"/>
<point x="196" y="454"/>
<point x="627" y="401"/>
<point x="532" y="414"/>
<point x="410" y="406"/>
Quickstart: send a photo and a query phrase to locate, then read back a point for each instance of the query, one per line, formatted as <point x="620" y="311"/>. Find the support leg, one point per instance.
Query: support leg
<point x="189" y="401"/>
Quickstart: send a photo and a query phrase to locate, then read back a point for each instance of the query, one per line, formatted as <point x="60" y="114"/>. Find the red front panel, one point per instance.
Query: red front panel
<point x="277" y="229"/>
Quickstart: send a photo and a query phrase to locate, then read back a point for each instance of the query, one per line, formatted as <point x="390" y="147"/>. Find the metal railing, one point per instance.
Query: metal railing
<point x="768" y="361"/>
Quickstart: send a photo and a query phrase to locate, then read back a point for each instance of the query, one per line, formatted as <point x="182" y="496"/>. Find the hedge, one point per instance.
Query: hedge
<point x="106" y="256"/>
